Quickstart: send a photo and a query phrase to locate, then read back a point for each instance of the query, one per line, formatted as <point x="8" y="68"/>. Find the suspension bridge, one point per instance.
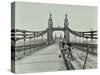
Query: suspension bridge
<point x="43" y="54"/>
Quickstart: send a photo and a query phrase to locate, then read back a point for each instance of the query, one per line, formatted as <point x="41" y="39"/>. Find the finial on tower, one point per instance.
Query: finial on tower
<point x="66" y="19"/>
<point x="66" y="15"/>
<point x="50" y="17"/>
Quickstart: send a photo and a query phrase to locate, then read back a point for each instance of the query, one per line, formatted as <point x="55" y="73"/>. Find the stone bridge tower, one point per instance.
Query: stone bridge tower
<point x="66" y="32"/>
<point x="50" y="30"/>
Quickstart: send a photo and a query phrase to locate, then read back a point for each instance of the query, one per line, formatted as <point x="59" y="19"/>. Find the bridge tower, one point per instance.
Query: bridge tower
<point x="66" y="32"/>
<point x="50" y="30"/>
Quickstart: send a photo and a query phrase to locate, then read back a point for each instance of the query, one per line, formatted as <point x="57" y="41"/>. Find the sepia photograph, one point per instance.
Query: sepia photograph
<point x="53" y="37"/>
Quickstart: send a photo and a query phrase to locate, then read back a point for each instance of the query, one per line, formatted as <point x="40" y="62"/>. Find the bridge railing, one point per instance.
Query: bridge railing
<point x="19" y="52"/>
<point x="24" y="50"/>
<point x="84" y="40"/>
<point x="92" y="48"/>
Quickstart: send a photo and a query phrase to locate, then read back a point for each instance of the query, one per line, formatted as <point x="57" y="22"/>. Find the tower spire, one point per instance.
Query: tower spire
<point x="66" y="19"/>
<point x="50" y="21"/>
<point x="50" y="14"/>
<point x="50" y="17"/>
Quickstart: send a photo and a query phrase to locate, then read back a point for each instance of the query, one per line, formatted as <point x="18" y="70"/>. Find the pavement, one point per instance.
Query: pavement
<point x="45" y="60"/>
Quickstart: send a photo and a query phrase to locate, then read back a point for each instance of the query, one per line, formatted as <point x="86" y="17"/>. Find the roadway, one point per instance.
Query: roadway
<point x="47" y="59"/>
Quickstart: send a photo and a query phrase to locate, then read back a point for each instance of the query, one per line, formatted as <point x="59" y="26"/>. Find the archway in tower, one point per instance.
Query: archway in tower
<point x="58" y="35"/>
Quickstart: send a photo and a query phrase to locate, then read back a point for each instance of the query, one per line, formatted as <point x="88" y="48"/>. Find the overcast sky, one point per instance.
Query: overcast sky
<point x="34" y="16"/>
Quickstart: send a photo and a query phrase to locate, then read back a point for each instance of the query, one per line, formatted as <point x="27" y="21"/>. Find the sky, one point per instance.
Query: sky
<point x="34" y="16"/>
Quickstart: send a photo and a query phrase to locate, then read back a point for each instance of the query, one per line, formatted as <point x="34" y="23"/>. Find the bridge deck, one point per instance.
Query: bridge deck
<point x="47" y="59"/>
<point x="80" y="57"/>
